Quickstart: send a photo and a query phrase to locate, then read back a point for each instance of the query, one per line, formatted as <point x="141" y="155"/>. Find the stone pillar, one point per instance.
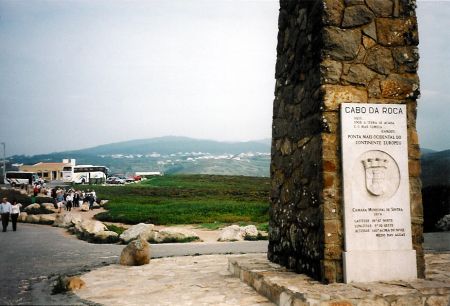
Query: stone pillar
<point x="331" y="52"/>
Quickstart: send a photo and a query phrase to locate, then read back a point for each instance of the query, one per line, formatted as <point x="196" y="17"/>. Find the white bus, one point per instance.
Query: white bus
<point x="83" y="174"/>
<point x="20" y="178"/>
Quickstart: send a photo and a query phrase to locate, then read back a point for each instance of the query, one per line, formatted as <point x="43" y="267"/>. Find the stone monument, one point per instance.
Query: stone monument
<point x="346" y="191"/>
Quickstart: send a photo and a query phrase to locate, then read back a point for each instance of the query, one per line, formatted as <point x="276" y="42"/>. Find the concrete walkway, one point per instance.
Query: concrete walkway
<point x="35" y="254"/>
<point x="200" y="280"/>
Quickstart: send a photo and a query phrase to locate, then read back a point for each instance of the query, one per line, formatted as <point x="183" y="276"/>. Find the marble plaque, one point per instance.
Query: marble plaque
<point x="376" y="193"/>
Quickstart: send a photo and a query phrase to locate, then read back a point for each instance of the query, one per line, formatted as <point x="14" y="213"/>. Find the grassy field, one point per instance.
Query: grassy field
<point x="210" y="200"/>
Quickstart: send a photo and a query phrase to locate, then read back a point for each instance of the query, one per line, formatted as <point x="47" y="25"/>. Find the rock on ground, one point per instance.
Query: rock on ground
<point x="84" y="207"/>
<point x="236" y="233"/>
<point x="47" y="219"/>
<point x="231" y="233"/>
<point x="145" y="231"/>
<point x="22" y="217"/>
<point x="136" y="253"/>
<point x="48" y="207"/>
<point x="106" y="237"/>
<point x="249" y="232"/>
<point x="89" y="227"/>
<point x="33" y="218"/>
<point x="33" y="209"/>
<point x="66" y="220"/>
<point x="175" y="234"/>
<point x="74" y="283"/>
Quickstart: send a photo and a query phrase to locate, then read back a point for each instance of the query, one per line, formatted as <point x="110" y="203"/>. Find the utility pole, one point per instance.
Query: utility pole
<point x="4" y="162"/>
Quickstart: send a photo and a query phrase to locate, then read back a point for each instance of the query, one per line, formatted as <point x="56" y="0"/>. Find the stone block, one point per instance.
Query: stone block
<point x="341" y="44"/>
<point x="333" y="12"/>
<point x="356" y="15"/>
<point x="333" y="252"/>
<point x="396" y="32"/>
<point x="370" y="30"/>
<point x="374" y="89"/>
<point x="368" y="42"/>
<point x="332" y="232"/>
<point x="414" y="168"/>
<point x="331" y="71"/>
<point x="406" y="58"/>
<point x="381" y="8"/>
<point x="380" y="59"/>
<point x="398" y="86"/>
<point x="334" y="95"/>
<point x="329" y="165"/>
<point x="359" y="74"/>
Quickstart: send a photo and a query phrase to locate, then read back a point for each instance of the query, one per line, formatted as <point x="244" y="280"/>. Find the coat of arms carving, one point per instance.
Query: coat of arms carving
<point x="375" y="172"/>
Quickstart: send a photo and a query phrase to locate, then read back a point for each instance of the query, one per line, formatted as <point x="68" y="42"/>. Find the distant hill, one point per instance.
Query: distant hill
<point x="170" y="155"/>
<point x="435" y="168"/>
<point x="174" y="144"/>
<point x="187" y="155"/>
<point x="427" y="151"/>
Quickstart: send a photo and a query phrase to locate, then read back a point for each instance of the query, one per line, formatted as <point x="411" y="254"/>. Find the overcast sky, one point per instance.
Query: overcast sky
<point x="75" y="74"/>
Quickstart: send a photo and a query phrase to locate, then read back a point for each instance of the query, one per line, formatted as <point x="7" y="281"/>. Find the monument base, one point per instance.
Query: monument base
<point x="370" y="266"/>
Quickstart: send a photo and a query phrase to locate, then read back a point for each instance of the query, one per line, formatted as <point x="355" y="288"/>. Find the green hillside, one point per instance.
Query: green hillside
<point x="188" y="199"/>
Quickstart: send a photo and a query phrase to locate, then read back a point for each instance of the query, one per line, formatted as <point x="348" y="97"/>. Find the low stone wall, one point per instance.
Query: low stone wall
<point x="287" y="288"/>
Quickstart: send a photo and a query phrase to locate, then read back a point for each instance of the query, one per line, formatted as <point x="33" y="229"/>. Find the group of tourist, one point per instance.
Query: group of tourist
<point x="8" y="210"/>
<point x="72" y="198"/>
<point x="62" y="198"/>
<point x="39" y="187"/>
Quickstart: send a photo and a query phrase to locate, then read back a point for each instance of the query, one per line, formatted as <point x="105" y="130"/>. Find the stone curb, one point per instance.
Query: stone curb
<point x="287" y="288"/>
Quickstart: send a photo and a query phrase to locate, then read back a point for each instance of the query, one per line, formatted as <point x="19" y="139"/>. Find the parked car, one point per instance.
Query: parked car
<point x="129" y="180"/>
<point x="114" y="180"/>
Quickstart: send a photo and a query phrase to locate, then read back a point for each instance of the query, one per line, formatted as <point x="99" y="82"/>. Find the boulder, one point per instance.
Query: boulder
<point x="64" y="284"/>
<point x="142" y="230"/>
<point x="231" y="233"/>
<point x="47" y="219"/>
<point x="103" y="202"/>
<point x="249" y="232"/>
<point x="444" y="223"/>
<point x="136" y="253"/>
<point x="84" y="207"/>
<point x="174" y="234"/>
<point x="22" y="217"/>
<point x="96" y="206"/>
<point x="48" y="207"/>
<point x="66" y="220"/>
<point x="33" y="209"/>
<point x="89" y="227"/>
<point x="33" y="218"/>
<point x="74" y="283"/>
<point x="236" y="233"/>
<point x="106" y="237"/>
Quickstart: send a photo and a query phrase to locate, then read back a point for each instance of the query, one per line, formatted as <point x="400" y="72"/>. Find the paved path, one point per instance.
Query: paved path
<point x="35" y="254"/>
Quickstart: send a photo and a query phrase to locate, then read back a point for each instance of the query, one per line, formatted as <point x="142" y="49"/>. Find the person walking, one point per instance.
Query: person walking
<point x="76" y="199"/>
<point x="60" y="200"/>
<point x="15" y="212"/>
<point x="35" y="190"/>
<point x="69" y="201"/>
<point x="5" y="211"/>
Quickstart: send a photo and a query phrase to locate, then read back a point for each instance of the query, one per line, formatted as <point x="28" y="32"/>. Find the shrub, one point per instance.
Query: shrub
<point x="114" y="228"/>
